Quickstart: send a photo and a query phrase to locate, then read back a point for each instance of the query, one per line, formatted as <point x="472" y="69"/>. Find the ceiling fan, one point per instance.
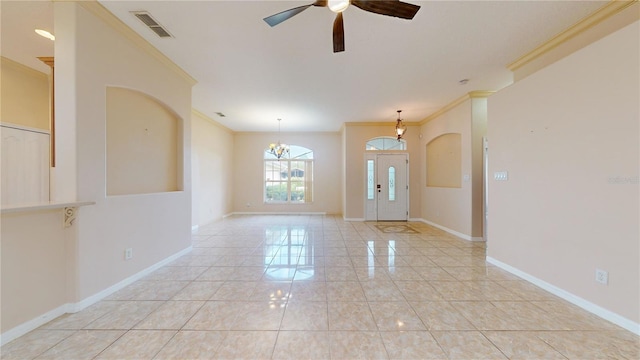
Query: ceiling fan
<point x="394" y="8"/>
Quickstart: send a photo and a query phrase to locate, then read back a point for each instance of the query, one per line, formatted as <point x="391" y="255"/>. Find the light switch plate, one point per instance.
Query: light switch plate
<point x="501" y="175"/>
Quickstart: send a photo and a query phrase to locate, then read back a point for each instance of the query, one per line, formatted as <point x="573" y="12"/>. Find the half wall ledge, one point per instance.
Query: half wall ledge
<point x="69" y="213"/>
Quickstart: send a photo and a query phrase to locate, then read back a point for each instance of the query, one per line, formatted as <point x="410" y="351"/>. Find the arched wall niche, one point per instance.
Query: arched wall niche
<point x="144" y="146"/>
<point x="444" y="161"/>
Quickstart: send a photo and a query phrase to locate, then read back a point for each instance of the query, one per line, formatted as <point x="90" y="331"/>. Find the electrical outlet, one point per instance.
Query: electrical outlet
<point x="602" y="276"/>
<point x="128" y="253"/>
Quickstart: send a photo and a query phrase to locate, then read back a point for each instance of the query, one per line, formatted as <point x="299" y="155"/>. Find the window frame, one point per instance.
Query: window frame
<point x="303" y="161"/>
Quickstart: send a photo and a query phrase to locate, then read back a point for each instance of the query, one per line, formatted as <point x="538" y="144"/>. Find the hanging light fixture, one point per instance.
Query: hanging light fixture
<point x="279" y="149"/>
<point x="400" y="127"/>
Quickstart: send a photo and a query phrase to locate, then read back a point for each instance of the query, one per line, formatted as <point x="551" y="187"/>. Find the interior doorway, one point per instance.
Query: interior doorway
<point x="485" y="187"/>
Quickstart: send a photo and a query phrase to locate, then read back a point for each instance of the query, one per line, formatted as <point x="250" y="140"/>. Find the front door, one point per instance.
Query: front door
<point x="392" y="187"/>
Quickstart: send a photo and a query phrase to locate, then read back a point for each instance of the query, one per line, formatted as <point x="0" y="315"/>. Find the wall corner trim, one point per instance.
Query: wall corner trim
<point x="20" y="67"/>
<point x="445" y="108"/>
<point x="209" y="119"/>
<point x="576" y="300"/>
<point x="456" y="102"/>
<point x="101" y="12"/>
<point x="605" y="12"/>
<point x="35" y="323"/>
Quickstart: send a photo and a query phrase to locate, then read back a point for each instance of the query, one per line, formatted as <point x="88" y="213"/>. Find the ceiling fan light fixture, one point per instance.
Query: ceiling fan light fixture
<point x="45" y="33"/>
<point x="338" y="6"/>
<point x="394" y="8"/>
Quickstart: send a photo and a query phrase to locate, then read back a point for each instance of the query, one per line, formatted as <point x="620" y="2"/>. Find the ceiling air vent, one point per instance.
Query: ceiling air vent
<point x="148" y="20"/>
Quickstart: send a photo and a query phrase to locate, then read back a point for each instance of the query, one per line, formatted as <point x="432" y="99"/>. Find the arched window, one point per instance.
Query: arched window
<point x="386" y="143"/>
<point x="290" y="178"/>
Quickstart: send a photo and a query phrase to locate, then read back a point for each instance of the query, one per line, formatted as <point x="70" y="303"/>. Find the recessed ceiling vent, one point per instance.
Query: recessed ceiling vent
<point x="148" y="20"/>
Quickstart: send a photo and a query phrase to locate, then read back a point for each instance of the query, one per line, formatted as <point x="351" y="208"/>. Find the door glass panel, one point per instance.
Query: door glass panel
<point x="370" y="178"/>
<point x="392" y="183"/>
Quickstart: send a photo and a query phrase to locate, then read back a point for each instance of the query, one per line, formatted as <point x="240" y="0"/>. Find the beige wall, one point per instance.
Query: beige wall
<point x="34" y="265"/>
<point x="355" y="139"/>
<point x="47" y="269"/>
<point x="449" y="207"/>
<point x="211" y="163"/>
<point x="248" y="155"/>
<point x="91" y="55"/>
<point x="25" y="95"/>
<point x="458" y="209"/>
<point x="568" y="137"/>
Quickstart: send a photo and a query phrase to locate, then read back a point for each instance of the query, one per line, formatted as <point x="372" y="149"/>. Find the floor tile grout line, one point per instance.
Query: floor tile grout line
<point x="348" y="241"/>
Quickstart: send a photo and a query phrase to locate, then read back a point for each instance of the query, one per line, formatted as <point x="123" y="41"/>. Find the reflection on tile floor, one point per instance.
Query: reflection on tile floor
<point x="317" y="287"/>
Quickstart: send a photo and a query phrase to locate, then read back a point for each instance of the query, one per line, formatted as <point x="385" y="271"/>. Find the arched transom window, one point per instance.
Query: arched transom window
<point x="386" y="143"/>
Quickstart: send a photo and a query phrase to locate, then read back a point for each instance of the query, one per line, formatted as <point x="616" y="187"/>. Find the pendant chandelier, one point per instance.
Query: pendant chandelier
<point x="279" y="149"/>
<point x="400" y="127"/>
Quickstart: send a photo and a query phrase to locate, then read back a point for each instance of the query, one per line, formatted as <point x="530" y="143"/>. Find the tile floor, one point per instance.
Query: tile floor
<point x="317" y="287"/>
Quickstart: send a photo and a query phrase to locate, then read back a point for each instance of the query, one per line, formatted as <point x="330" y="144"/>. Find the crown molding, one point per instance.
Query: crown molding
<point x="205" y="117"/>
<point x="477" y="94"/>
<point x="446" y="108"/>
<point x="101" y="12"/>
<point x="481" y="94"/>
<point x="371" y="123"/>
<point x="23" y="68"/>
<point x="612" y="8"/>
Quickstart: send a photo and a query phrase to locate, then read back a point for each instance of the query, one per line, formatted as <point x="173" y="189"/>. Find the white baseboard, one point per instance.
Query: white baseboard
<point x="75" y="307"/>
<point x="278" y="213"/>
<point x="576" y="300"/>
<point x="33" y="324"/>
<point x="450" y="231"/>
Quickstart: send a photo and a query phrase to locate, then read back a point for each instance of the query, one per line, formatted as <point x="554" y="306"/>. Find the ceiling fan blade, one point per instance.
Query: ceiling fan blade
<point x="390" y="8"/>
<point x="276" y="19"/>
<point x="338" y="34"/>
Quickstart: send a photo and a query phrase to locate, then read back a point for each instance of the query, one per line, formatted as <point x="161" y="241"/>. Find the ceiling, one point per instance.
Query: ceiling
<point x="255" y="74"/>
